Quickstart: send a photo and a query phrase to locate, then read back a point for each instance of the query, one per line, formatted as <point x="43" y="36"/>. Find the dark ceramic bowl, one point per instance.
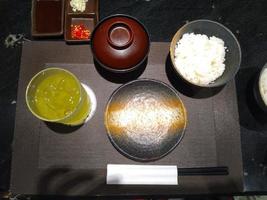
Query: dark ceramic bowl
<point x="120" y="43"/>
<point x="211" y="28"/>
<point x="145" y="119"/>
<point x="257" y="91"/>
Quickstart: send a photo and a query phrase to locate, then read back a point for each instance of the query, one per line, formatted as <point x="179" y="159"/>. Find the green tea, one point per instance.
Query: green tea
<point x="57" y="95"/>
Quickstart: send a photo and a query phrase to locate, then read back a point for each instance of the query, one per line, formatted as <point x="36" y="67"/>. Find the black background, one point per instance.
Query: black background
<point x="247" y="19"/>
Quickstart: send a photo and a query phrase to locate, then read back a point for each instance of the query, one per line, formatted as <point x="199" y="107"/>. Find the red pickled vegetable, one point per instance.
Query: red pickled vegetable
<point x="80" y="32"/>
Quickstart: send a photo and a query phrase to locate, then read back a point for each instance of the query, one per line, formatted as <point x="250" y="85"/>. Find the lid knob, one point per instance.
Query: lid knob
<point x="120" y="35"/>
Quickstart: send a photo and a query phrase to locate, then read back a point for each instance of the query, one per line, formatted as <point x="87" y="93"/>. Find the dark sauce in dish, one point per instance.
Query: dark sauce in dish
<point x="48" y="16"/>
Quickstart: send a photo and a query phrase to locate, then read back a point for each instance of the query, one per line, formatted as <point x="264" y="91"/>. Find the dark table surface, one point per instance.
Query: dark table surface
<point x="247" y="19"/>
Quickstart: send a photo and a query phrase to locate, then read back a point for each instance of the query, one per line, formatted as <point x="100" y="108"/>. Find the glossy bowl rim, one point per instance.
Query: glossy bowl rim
<point x="173" y="42"/>
<point x="121" y="150"/>
<point x="127" y="69"/>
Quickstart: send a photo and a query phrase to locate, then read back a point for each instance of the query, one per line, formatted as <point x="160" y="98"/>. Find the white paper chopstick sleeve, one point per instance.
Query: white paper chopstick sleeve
<point x="141" y="175"/>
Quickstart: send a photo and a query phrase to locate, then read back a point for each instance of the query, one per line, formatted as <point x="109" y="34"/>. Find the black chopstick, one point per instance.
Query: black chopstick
<point x="203" y="171"/>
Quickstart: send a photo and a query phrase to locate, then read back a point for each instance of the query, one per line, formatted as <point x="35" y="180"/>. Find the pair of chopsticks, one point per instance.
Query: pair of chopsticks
<point x="203" y="171"/>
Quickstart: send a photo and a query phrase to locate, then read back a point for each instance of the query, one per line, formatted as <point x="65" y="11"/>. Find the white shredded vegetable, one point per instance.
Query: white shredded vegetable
<point x="78" y="5"/>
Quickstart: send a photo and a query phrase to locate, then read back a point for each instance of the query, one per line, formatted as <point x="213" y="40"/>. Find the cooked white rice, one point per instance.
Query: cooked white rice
<point x="200" y="59"/>
<point x="263" y="85"/>
<point x="78" y="5"/>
